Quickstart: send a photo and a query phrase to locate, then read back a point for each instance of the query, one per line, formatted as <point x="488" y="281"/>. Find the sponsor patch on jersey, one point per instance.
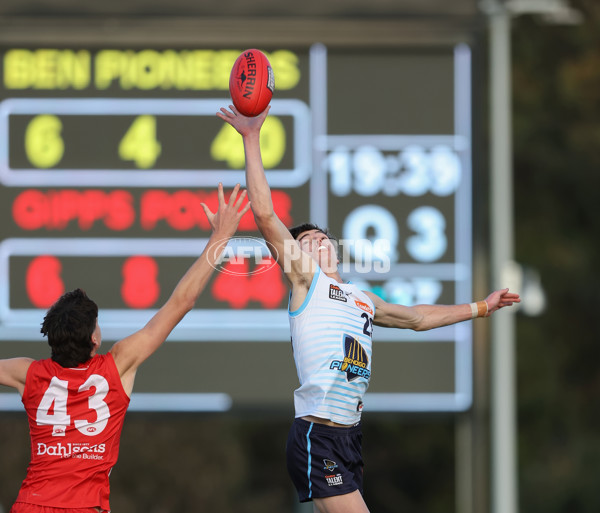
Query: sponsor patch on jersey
<point x="336" y="293"/>
<point x="355" y="360"/>
<point x="80" y="450"/>
<point x="364" y="306"/>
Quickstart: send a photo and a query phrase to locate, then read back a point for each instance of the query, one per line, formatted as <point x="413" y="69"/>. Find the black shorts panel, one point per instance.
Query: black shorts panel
<point x="324" y="461"/>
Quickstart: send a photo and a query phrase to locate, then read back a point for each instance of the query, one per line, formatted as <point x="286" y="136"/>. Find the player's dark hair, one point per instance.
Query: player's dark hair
<point x="69" y="324"/>
<point x="304" y="227"/>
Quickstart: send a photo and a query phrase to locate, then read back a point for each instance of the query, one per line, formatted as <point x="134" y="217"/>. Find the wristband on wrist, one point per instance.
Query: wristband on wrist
<point x="473" y="310"/>
<point x="479" y="309"/>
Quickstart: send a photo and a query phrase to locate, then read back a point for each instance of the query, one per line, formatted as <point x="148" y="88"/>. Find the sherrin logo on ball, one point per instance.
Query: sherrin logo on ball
<point x="251" y="83"/>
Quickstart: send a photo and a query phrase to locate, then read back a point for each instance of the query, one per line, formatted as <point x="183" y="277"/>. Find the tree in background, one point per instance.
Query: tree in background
<point x="556" y="88"/>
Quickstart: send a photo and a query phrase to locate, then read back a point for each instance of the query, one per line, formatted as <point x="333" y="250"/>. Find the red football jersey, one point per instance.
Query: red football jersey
<point x="75" y="420"/>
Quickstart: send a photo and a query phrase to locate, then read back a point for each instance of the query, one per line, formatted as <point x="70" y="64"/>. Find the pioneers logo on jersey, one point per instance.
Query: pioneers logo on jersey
<point x="355" y="360"/>
<point x="336" y="293"/>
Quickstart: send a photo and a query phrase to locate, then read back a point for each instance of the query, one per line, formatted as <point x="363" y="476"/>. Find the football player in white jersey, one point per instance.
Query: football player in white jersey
<point x="323" y="449"/>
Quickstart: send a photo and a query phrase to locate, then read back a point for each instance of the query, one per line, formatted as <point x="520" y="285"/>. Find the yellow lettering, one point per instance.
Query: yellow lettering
<point x="73" y="69"/>
<point x="222" y="68"/>
<point x="18" y="69"/>
<point x="184" y="70"/>
<point x="199" y="70"/>
<point x="202" y="69"/>
<point x="46" y="69"/>
<point x="147" y="69"/>
<point x="285" y="68"/>
<point x="128" y="71"/>
<point x="171" y="70"/>
<point x="108" y="67"/>
<point x="45" y="63"/>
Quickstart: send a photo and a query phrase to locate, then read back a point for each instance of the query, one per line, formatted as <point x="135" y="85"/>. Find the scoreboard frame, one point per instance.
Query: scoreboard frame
<point x="312" y="144"/>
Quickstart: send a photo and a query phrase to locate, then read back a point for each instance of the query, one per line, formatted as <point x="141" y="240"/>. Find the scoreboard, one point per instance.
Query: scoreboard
<point x="106" y="155"/>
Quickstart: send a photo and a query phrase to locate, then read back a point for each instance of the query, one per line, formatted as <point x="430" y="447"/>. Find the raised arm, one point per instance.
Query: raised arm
<point x="13" y="372"/>
<point x="298" y="267"/>
<point x="426" y="317"/>
<point x="130" y="352"/>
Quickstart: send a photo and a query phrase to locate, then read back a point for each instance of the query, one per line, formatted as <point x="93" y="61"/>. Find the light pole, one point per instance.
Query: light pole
<point x="505" y="272"/>
<point x="504" y="490"/>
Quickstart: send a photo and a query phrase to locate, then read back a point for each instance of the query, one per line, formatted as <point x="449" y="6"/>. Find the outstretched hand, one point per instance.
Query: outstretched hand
<point x="225" y="220"/>
<point x="243" y="124"/>
<point x="499" y="299"/>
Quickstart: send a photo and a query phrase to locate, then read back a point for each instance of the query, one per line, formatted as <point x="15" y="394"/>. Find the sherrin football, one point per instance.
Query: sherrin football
<point x="251" y="83"/>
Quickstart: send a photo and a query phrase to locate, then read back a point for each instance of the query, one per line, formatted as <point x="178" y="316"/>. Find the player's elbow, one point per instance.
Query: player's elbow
<point x="263" y="216"/>
<point x="183" y="303"/>
<point x="421" y="327"/>
<point x="189" y="303"/>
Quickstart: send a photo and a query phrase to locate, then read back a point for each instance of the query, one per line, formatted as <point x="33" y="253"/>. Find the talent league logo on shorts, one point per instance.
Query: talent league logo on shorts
<point x="334" y="480"/>
<point x="355" y="360"/>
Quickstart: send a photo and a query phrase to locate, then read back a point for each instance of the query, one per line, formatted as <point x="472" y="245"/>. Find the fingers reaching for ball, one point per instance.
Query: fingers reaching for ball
<point x="245" y="125"/>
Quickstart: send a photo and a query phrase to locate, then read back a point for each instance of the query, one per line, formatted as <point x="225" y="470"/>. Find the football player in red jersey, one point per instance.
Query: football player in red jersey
<point x="76" y="400"/>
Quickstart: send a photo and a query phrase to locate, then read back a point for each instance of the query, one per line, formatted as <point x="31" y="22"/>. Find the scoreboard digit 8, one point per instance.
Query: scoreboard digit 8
<point x="107" y="153"/>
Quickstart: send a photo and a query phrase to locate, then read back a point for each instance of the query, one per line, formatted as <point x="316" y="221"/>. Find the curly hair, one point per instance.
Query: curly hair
<point x="69" y="324"/>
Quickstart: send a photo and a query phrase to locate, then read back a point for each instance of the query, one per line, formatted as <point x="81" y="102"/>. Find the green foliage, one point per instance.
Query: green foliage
<point x="556" y="86"/>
